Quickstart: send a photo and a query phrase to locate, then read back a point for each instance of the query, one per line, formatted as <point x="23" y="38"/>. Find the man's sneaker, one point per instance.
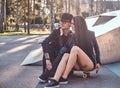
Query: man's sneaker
<point x="52" y="84"/>
<point x="63" y="81"/>
<point x="42" y="79"/>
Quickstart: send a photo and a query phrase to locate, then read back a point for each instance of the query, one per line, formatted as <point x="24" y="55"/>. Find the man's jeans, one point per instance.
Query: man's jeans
<point x="55" y="63"/>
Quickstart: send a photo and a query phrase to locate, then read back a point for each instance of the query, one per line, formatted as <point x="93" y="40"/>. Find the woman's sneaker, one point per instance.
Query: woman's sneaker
<point x="63" y="81"/>
<point x="52" y="84"/>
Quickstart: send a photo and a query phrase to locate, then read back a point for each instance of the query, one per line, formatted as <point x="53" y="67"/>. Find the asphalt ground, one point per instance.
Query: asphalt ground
<point x="14" y="49"/>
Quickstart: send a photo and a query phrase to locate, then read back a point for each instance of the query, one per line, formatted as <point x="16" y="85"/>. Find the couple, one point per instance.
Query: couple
<point x="84" y="54"/>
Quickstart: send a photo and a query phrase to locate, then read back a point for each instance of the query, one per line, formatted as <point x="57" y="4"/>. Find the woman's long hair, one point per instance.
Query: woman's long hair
<point x="82" y="33"/>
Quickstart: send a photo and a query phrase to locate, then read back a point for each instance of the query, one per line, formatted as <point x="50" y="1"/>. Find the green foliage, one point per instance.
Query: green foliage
<point x="12" y="30"/>
<point x="13" y="34"/>
<point x="38" y="20"/>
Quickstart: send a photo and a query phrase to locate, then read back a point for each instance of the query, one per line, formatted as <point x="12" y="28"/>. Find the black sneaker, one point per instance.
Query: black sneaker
<point x="52" y="84"/>
<point x="42" y="79"/>
<point x="63" y="81"/>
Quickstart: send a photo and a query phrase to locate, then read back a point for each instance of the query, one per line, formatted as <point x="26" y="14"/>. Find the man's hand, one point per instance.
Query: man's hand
<point x="97" y="68"/>
<point x="48" y="64"/>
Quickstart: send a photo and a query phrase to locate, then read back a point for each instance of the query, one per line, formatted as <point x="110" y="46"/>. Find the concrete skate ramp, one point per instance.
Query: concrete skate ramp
<point x="107" y="29"/>
<point x="33" y="57"/>
<point x="109" y="44"/>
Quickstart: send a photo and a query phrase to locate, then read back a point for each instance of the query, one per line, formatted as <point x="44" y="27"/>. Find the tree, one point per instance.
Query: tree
<point x="103" y="6"/>
<point x="100" y="6"/>
<point x="118" y="4"/>
<point x="28" y="30"/>
<point x="97" y="7"/>
<point x="34" y="12"/>
<point x="65" y="1"/>
<point x="78" y="12"/>
<point x="69" y="5"/>
<point x="5" y="20"/>
<point x="91" y="5"/>
<point x="17" y="10"/>
<point x="1" y="16"/>
<point x="52" y="15"/>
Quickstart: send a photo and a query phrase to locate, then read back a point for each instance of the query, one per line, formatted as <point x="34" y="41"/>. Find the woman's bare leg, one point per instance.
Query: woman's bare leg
<point x="61" y="67"/>
<point x="71" y="63"/>
<point x="77" y="55"/>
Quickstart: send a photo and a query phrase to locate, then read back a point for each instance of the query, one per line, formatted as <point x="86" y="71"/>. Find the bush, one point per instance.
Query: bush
<point x="38" y="20"/>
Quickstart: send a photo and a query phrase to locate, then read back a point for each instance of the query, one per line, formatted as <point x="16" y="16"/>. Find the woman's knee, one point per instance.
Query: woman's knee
<point x="74" y="49"/>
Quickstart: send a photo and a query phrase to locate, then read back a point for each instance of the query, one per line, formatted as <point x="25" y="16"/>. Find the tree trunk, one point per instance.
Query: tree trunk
<point x="28" y="31"/>
<point x="102" y="6"/>
<point x="1" y="16"/>
<point x="17" y="26"/>
<point x="91" y="4"/>
<point x="65" y="5"/>
<point x="52" y="15"/>
<point x="24" y="16"/>
<point x="97" y="8"/>
<point x="33" y="13"/>
<point x="78" y="12"/>
<point x="118" y="4"/>
<point x="5" y="22"/>
<point x="105" y="9"/>
<point x="69" y="6"/>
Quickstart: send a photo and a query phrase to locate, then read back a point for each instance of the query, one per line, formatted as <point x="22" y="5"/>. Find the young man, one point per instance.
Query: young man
<point x="54" y="46"/>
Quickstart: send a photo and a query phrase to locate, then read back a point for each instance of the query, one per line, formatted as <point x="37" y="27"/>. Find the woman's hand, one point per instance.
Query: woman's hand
<point x="48" y="64"/>
<point x="97" y="68"/>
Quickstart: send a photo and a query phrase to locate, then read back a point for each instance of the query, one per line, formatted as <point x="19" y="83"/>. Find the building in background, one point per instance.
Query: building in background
<point x="90" y="7"/>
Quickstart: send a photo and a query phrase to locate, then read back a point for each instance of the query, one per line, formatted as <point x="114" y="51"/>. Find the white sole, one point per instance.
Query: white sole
<point x="53" y="86"/>
<point x="62" y="83"/>
<point x="41" y="80"/>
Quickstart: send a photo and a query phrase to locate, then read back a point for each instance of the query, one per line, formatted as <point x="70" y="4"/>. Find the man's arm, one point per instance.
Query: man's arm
<point x="46" y="44"/>
<point x="51" y="38"/>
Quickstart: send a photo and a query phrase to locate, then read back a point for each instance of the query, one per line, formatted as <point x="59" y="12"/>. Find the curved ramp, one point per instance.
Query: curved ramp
<point x="33" y="57"/>
<point x="109" y="44"/>
<point x="107" y="30"/>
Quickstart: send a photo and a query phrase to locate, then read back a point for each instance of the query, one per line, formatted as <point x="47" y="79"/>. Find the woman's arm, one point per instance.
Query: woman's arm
<point x="96" y="48"/>
<point x="97" y="52"/>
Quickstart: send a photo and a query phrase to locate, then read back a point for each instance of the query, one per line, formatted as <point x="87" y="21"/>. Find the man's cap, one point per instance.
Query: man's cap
<point x="66" y="17"/>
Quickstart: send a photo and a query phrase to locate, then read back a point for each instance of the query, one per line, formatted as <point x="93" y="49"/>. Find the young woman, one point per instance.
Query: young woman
<point x="84" y="54"/>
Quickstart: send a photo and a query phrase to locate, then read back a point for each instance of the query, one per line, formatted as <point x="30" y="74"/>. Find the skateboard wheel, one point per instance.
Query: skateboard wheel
<point x="84" y="75"/>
